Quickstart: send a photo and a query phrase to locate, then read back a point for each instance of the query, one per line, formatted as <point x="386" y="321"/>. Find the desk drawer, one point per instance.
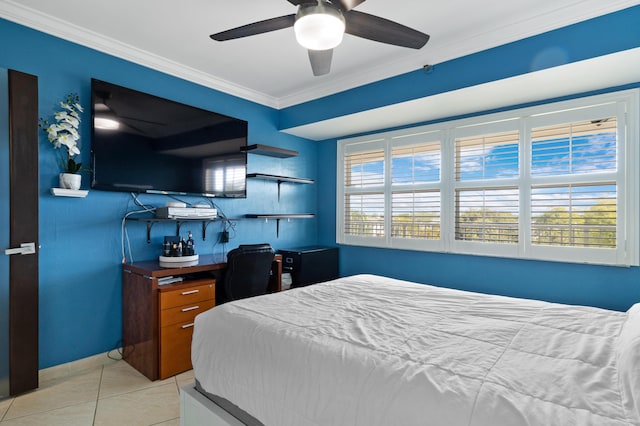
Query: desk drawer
<point x="185" y="313"/>
<point x="187" y="294"/>
<point x="175" y="349"/>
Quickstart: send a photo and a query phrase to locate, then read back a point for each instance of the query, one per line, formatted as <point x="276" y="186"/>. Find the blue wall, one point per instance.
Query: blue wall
<point x="80" y="258"/>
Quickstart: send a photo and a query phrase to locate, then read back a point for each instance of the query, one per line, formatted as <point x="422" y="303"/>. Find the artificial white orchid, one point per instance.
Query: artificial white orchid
<point x="65" y="132"/>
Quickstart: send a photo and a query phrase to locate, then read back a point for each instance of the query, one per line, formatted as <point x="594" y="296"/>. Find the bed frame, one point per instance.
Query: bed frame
<point x="198" y="410"/>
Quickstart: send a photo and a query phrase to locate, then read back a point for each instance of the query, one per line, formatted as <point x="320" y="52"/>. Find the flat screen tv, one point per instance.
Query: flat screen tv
<point x="144" y="143"/>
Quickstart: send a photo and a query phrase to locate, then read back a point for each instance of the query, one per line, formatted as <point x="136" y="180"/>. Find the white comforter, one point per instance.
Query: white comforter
<point x="367" y="350"/>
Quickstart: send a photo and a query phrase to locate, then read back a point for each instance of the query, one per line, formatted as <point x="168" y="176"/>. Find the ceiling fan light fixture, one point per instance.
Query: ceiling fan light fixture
<point x="319" y="27"/>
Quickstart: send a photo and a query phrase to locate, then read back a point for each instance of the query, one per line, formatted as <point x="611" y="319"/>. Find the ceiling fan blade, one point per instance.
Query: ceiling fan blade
<point x="265" y="26"/>
<point x="320" y="61"/>
<point x="383" y="30"/>
<point x="347" y="5"/>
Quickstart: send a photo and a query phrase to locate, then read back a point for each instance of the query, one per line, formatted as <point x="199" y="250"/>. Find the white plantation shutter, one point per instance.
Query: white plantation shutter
<point x="416" y="214"/>
<point x="575" y="148"/>
<point x="552" y="182"/>
<point x="486" y="198"/>
<point x="577" y="205"/>
<point x="580" y="207"/>
<point x="415" y="194"/>
<point x="487" y="215"/>
<point x="364" y="205"/>
<point x="364" y="214"/>
<point x="364" y="169"/>
<point x="574" y="215"/>
<point x="416" y="164"/>
<point x="491" y="156"/>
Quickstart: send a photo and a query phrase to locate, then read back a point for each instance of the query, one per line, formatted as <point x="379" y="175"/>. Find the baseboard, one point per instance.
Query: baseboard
<point x="75" y="367"/>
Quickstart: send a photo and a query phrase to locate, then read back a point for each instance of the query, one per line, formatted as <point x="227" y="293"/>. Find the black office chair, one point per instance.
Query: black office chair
<point x="248" y="271"/>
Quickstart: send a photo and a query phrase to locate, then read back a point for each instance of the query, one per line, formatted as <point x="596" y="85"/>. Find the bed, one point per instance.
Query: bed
<point x="369" y="350"/>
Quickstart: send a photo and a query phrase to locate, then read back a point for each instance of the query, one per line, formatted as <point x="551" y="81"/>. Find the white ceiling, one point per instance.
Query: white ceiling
<point x="272" y="69"/>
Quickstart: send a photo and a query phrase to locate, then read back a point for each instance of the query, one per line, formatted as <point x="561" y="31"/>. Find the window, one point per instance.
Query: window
<point x="580" y="208"/>
<point x="415" y="192"/>
<point x="364" y="193"/>
<point x="487" y="215"/>
<point x="487" y="168"/>
<point x="555" y="182"/>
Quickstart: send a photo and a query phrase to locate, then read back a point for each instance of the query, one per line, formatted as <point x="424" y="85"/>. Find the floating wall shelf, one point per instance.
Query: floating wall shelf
<point x="280" y="179"/>
<point x="270" y="151"/>
<point x="278" y="216"/>
<point x="61" y="192"/>
<point x="151" y="221"/>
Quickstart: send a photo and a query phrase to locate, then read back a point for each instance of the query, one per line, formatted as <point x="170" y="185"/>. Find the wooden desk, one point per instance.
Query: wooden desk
<point x="157" y="320"/>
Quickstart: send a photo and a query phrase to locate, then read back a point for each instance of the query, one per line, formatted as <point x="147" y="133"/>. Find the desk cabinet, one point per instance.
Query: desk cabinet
<point x="179" y="306"/>
<point x="157" y="320"/>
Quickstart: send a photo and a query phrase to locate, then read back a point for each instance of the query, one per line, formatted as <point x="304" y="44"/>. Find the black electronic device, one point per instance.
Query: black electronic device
<point x="144" y="143"/>
<point x="310" y="264"/>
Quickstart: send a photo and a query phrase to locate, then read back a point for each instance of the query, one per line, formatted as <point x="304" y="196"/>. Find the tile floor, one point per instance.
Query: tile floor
<point x="110" y="394"/>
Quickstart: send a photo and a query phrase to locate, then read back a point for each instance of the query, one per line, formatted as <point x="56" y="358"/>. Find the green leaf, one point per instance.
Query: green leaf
<point x="72" y="166"/>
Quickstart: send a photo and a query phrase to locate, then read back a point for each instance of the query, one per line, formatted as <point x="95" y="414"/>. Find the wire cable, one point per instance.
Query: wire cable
<point x="124" y="235"/>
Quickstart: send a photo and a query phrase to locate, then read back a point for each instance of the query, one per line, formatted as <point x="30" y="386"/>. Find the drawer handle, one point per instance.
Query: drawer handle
<point x="184" y="293"/>
<point x="190" y="309"/>
<point x="187" y="325"/>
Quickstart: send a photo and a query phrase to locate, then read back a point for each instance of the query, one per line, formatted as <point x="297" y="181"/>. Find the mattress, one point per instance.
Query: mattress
<point x="370" y="350"/>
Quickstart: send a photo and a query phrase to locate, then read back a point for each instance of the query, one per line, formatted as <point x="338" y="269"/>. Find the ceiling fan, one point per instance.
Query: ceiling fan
<point x="320" y="24"/>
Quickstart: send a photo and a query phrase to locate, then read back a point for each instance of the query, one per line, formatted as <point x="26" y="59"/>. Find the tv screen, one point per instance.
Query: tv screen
<point x="144" y="143"/>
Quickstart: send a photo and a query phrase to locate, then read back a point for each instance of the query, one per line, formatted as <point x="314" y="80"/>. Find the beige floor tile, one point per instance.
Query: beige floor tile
<point x="57" y="394"/>
<point x="122" y="378"/>
<point x="73" y="368"/>
<point x="185" y="378"/>
<point x="172" y="422"/>
<point x="144" y="407"/>
<point x="74" y="415"/>
<point x="4" y="406"/>
<point x="52" y="381"/>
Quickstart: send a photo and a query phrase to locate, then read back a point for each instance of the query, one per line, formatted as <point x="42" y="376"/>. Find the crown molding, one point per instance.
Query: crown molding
<point x="578" y="11"/>
<point x="15" y="12"/>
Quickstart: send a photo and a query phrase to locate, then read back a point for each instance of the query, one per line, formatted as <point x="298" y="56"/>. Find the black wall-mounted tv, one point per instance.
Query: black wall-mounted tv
<point x="144" y="143"/>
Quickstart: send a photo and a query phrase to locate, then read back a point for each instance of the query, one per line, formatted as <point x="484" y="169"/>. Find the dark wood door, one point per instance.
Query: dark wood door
<point x="23" y="228"/>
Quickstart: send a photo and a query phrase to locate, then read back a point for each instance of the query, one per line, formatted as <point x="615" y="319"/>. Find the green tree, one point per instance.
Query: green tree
<point x="600" y="224"/>
<point x="365" y="224"/>
<point x="555" y="227"/>
<point x="487" y="225"/>
<point x="420" y="225"/>
<point x="593" y="227"/>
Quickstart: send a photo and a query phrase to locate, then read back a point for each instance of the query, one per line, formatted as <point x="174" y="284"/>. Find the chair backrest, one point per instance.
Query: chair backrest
<point x="248" y="271"/>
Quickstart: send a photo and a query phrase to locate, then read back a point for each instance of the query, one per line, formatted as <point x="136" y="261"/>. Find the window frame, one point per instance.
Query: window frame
<point x="623" y="104"/>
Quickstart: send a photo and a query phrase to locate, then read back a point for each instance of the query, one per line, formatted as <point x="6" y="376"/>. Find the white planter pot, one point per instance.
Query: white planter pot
<point x="70" y="181"/>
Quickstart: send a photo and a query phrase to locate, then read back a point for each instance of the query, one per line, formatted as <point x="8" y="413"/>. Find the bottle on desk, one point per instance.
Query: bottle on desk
<point x="190" y="245"/>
